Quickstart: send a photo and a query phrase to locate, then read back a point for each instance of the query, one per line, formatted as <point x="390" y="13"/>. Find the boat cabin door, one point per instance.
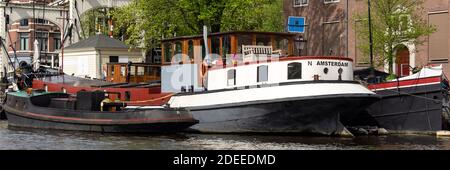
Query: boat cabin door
<point x="119" y="73"/>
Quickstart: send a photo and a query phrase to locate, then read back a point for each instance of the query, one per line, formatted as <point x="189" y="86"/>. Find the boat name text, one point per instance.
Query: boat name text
<point x="330" y="63"/>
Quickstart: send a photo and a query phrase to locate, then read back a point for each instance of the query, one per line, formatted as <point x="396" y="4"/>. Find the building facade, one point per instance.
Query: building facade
<point x="23" y="34"/>
<point x="330" y="31"/>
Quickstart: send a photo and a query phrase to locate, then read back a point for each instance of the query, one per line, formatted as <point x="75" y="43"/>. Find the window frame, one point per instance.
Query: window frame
<point x="113" y="58"/>
<point x="330" y="1"/>
<point x="234" y="77"/>
<point x="289" y="77"/>
<point x="258" y="73"/>
<point x="24" y="23"/>
<point x="57" y="41"/>
<point x="24" y="41"/>
<point x="301" y="4"/>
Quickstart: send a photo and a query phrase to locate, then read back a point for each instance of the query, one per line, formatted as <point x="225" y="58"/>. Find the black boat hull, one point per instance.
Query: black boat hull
<point x="314" y="115"/>
<point x="21" y="112"/>
<point x="25" y="122"/>
<point x="418" y="108"/>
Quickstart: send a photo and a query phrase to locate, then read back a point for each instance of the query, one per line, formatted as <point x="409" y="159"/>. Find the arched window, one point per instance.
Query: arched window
<point x="215" y="45"/>
<point x="294" y="71"/>
<point x="263" y="73"/>
<point x="231" y="77"/>
<point x="178" y="47"/>
<point x="191" y="51"/>
<point x="168" y="49"/>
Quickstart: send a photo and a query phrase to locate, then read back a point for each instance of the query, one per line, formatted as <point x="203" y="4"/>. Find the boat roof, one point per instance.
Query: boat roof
<point x="228" y="33"/>
<point x="98" y="42"/>
<point x="426" y="72"/>
<point x="74" y="81"/>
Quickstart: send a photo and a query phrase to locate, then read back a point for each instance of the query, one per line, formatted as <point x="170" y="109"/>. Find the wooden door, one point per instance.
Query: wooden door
<point x="120" y="74"/>
<point x="403" y="67"/>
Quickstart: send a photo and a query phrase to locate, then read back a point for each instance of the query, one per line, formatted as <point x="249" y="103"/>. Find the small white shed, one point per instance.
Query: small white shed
<point x="88" y="58"/>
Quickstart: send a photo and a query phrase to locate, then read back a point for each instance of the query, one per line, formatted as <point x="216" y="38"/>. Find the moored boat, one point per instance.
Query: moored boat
<point x="89" y="111"/>
<point x="266" y="88"/>
<point x="419" y="102"/>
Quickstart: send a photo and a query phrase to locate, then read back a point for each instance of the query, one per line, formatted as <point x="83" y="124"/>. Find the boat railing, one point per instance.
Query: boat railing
<point x="258" y="52"/>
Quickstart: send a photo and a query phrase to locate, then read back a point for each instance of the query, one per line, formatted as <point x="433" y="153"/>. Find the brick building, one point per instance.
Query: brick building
<point x="24" y="32"/>
<point x="329" y="30"/>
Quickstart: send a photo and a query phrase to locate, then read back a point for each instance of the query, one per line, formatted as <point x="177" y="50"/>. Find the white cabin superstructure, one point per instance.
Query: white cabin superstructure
<point x="282" y="70"/>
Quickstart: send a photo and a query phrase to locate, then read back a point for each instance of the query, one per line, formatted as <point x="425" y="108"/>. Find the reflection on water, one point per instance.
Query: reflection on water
<point x="11" y="138"/>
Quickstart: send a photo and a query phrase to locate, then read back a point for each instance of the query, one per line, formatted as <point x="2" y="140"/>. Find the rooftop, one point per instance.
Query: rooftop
<point x="98" y="42"/>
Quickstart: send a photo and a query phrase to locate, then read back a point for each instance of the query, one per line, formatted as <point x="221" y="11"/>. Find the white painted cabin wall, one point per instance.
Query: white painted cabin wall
<point x="247" y="75"/>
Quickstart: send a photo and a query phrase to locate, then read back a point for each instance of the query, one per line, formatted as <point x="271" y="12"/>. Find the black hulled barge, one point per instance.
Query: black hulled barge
<point x="90" y="111"/>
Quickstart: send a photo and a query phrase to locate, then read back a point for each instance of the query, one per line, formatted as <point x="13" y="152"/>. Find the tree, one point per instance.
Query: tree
<point x="93" y="22"/>
<point x="146" y="22"/>
<point x="393" y="22"/>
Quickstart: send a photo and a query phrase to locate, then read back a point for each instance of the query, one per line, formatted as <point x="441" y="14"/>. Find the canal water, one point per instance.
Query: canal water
<point x="25" y="139"/>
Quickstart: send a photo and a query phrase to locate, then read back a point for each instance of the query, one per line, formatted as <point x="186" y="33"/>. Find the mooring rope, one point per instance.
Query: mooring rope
<point x="151" y="100"/>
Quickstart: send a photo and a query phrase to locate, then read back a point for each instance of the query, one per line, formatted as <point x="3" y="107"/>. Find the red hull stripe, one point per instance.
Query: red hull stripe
<point x="418" y="82"/>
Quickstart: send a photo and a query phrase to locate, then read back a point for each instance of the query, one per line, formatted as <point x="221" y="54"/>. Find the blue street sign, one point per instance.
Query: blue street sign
<point x="296" y="24"/>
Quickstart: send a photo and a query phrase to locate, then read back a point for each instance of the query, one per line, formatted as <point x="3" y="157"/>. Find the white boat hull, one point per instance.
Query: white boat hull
<point x="303" y="107"/>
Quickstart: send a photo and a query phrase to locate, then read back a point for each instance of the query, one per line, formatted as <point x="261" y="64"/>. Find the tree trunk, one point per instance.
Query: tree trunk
<point x="391" y="60"/>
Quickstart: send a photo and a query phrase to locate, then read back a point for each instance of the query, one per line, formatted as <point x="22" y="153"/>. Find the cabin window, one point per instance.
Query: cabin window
<point x="123" y="71"/>
<point x="140" y="71"/>
<point x="113" y="59"/>
<point x="244" y="40"/>
<point x="263" y="74"/>
<point x="215" y="45"/>
<point x="294" y="71"/>
<point x="168" y="49"/>
<point x="226" y="47"/>
<point x="178" y="47"/>
<point x="231" y="77"/>
<point x="178" y="58"/>
<point x="133" y="70"/>
<point x="282" y="44"/>
<point x="263" y="40"/>
<point x="191" y="50"/>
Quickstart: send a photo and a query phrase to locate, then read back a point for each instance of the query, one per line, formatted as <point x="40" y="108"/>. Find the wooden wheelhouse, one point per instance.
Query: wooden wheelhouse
<point x="224" y="47"/>
<point x="133" y="72"/>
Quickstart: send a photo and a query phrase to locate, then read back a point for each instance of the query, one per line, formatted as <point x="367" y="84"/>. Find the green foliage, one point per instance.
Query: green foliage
<point x="146" y="22"/>
<point x="391" y="77"/>
<point x="393" y="22"/>
<point x="93" y="22"/>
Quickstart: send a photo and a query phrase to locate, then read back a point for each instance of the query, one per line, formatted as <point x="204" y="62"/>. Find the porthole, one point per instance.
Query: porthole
<point x="325" y="70"/>
<point x="340" y="71"/>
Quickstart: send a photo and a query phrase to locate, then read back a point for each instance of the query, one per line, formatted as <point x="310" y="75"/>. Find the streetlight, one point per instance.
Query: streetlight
<point x="300" y="44"/>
